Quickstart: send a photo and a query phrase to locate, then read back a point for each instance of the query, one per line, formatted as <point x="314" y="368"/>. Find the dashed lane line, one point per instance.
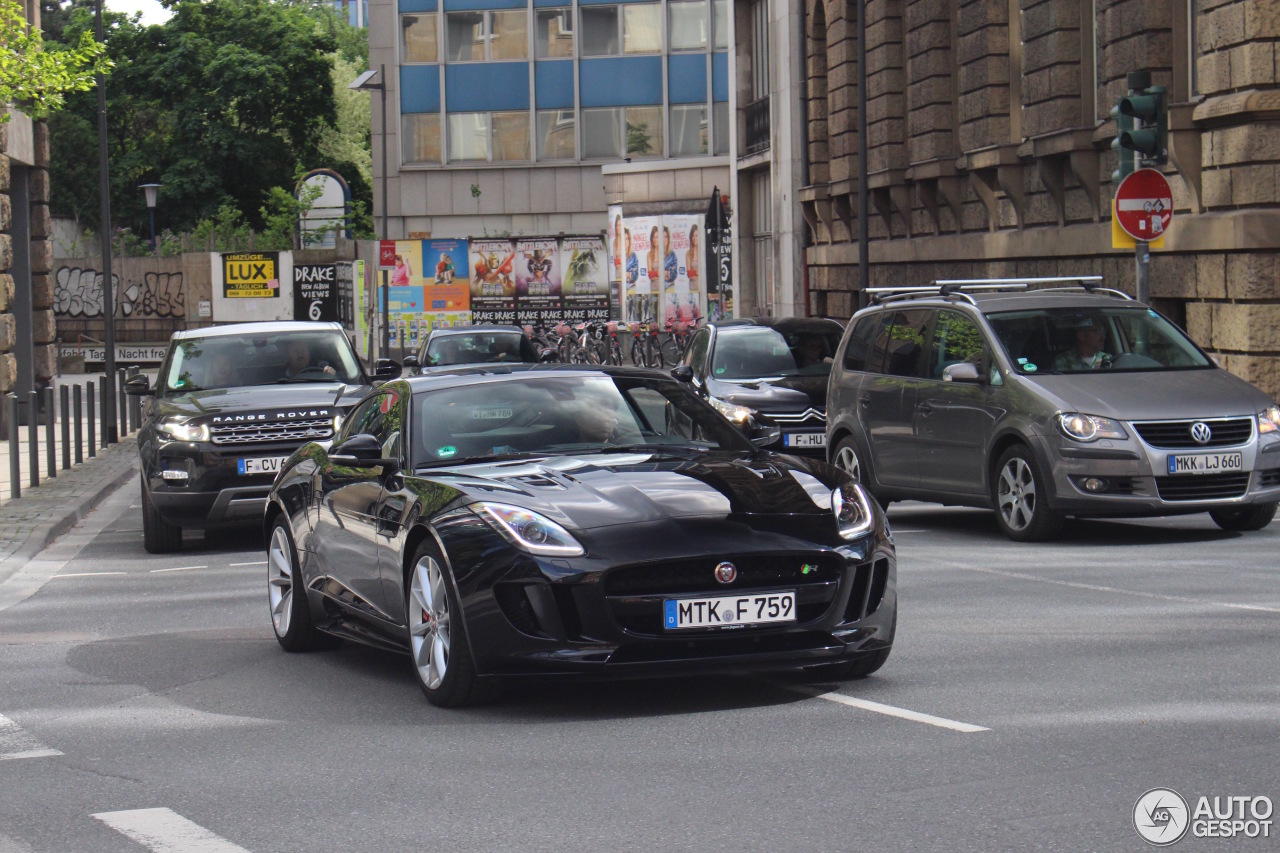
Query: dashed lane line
<point x="16" y="743"/>
<point x="165" y="831"/>
<point x="87" y="574"/>
<point x="177" y="569"/>
<point x="254" y="563"/>
<point x="878" y="708"/>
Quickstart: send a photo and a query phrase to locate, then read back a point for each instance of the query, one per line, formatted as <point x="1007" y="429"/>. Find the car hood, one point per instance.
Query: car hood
<point x="262" y="398"/>
<point x="1155" y="395"/>
<point x="773" y="394"/>
<point x="604" y="489"/>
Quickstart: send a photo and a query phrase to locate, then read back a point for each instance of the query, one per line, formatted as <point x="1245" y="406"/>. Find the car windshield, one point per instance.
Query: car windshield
<point x="478" y="348"/>
<point x="234" y="361"/>
<point x="1081" y="340"/>
<point x="752" y="353"/>
<point x="537" y="415"/>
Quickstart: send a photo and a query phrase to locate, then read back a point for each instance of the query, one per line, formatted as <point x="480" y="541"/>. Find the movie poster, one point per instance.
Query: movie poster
<point x="493" y="283"/>
<point x="586" y="288"/>
<point x="682" y="293"/>
<point x="642" y="245"/>
<point x="613" y="244"/>
<point x="538" y="277"/>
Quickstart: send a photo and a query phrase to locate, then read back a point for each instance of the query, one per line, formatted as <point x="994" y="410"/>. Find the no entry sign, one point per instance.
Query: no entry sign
<point x="1144" y="205"/>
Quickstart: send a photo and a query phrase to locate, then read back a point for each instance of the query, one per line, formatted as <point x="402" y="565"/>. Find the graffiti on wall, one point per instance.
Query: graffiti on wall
<point x="78" y="294"/>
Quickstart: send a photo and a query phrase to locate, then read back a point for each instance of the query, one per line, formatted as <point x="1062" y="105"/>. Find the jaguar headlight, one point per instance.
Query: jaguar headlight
<point x="738" y="414"/>
<point x="1089" y="427"/>
<point x="182" y="430"/>
<point x="1269" y="420"/>
<point x="529" y="531"/>
<point x="852" y="508"/>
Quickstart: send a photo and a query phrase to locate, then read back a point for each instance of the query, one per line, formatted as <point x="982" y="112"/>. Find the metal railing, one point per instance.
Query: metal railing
<point x="757" y="136"/>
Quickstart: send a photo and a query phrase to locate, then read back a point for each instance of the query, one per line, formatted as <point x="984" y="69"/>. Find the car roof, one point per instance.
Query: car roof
<point x="1024" y="300"/>
<point x="266" y="327"/>
<point x="478" y="374"/>
<point x="467" y="330"/>
<point x="782" y="324"/>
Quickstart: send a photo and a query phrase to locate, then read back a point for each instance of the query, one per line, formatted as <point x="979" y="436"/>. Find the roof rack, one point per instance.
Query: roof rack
<point x="961" y="287"/>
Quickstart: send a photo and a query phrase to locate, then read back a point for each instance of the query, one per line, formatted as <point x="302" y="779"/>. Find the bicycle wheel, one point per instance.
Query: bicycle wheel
<point x="637" y="351"/>
<point x="670" y="352"/>
<point x="615" y="352"/>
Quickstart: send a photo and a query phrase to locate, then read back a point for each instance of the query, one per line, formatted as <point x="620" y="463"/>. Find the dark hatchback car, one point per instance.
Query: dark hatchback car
<point x="590" y="522"/>
<point x="772" y="370"/>
<point x="463" y="345"/>
<point x="229" y="406"/>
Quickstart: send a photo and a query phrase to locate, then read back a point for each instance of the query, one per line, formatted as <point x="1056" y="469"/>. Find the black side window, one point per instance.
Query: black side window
<point x="904" y="350"/>
<point x="362" y="419"/>
<point x="696" y="357"/>
<point x="861" y="353"/>
<point x="382" y="417"/>
<point x="956" y="338"/>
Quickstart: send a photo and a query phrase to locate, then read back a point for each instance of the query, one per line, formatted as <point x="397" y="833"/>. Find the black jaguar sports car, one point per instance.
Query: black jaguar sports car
<point x="556" y="519"/>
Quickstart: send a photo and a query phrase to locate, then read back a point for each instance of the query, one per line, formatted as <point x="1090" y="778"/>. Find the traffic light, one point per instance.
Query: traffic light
<point x="1124" y="125"/>
<point x="1149" y="136"/>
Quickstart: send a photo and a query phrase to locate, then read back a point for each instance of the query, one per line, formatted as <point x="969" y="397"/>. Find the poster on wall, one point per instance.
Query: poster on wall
<point x="585" y="288"/>
<point x="445" y="261"/>
<point x="614" y="244"/>
<point x="250" y="275"/>
<point x="719" y="258"/>
<point x="682" y="296"/>
<point x="493" y="283"/>
<point x="642" y="239"/>
<point x="538" y="279"/>
<point x="315" y="292"/>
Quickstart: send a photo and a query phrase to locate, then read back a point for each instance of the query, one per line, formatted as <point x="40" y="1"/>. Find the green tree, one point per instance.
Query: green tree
<point x="37" y="77"/>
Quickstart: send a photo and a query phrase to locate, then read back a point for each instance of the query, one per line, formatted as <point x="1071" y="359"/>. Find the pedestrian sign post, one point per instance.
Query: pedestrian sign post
<point x="1144" y="205"/>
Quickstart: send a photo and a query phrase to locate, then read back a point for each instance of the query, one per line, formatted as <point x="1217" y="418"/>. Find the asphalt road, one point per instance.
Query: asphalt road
<point x="1035" y="692"/>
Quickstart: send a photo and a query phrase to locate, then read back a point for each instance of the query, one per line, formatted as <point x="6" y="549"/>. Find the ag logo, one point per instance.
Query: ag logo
<point x="726" y="572"/>
<point x="1161" y="816"/>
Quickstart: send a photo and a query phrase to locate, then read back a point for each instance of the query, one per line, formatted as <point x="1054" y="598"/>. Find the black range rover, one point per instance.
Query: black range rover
<point x="230" y="404"/>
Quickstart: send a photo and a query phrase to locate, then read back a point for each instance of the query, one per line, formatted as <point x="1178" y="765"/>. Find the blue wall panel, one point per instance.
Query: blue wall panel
<point x="602" y="2"/>
<point x="470" y="5"/>
<point x="483" y="86"/>
<point x="418" y="5"/>
<point x="687" y="78"/>
<point x="720" y="77"/>
<point x="419" y="89"/>
<point x="553" y="84"/>
<point x="621" y="82"/>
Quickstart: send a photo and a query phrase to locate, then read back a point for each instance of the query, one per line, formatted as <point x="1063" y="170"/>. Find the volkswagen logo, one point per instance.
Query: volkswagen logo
<point x="1201" y="433"/>
<point x="726" y="572"/>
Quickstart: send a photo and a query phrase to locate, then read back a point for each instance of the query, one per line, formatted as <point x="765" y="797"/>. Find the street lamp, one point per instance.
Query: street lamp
<point x="150" y="191"/>
<point x="365" y="83"/>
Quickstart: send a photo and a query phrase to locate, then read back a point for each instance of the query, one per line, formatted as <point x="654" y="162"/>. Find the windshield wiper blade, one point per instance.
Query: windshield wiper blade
<point x="494" y="457"/>
<point x="651" y="448"/>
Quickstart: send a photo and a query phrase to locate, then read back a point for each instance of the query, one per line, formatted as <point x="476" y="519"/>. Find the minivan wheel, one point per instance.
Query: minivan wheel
<point x="1244" y="518"/>
<point x="1019" y="493"/>
<point x="846" y="458"/>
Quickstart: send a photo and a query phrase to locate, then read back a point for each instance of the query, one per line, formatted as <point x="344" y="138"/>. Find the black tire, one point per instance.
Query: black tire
<point x="1245" y="518"/>
<point x="158" y="535"/>
<point x="1018" y="491"/>
<point x="290" y="613"/>
<point x="425" y="592"/>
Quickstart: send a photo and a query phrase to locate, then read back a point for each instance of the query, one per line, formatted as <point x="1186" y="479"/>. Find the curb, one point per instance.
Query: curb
<point x="69" y="516"/>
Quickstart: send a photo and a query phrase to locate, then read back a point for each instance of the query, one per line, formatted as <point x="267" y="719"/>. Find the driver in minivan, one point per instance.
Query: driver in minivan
<point x="1087" y="354"/>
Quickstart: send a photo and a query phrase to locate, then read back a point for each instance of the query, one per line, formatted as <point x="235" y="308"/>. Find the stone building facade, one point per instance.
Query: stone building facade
<point x="989" y="137"/>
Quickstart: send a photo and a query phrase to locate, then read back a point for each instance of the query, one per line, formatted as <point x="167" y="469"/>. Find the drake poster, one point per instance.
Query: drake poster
<point x="493" y="282"/>
<point x="538" y="279"/>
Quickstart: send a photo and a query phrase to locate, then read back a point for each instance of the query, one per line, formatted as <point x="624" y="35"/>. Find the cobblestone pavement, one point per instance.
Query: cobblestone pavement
<point x="43" y="513"/>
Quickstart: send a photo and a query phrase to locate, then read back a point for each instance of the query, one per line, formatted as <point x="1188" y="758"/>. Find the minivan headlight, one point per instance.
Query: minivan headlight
<point x="1269" y="420"/>
<point x="182" y="430"/>
<point x="1089" y="427"/>
<point x="529" y="531"/>
<point x="852" y="508"/>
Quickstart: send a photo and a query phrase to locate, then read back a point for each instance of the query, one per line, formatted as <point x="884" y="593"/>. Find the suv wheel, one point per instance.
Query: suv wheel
<point x="1245" y="518"/>
<point x="1018" y="493"/>
<point x="158" y="535"/>
<point x="846" y="458"/>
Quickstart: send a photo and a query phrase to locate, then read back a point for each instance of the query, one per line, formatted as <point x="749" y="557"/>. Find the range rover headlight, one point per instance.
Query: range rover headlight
<point x="337" y="422"/>
<point x="180" y="429"/>
<point x="1089" y="427"/>
<point x="738" y="414"/>
<point x="1269" y="420"/>
<point x="529" y="531"/>
<point x="852" y="508"/>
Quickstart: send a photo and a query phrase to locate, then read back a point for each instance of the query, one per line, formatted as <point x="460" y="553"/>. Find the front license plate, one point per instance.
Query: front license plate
<point x="1206" y="463"/>
<point x="725" y="610"/>
<point x="263" y="465"/>
<point x="804" y="439"/>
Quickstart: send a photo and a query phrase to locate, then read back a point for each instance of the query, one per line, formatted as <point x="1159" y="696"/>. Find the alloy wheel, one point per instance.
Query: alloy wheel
<point x="847" y="461"/>
<point x="429" y="622"/>
<point x="280" y="580"/>
<point x="1017" y="494"/>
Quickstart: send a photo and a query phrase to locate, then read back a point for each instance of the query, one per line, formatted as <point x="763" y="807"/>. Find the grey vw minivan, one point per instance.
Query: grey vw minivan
<point x="1061" y="401"/>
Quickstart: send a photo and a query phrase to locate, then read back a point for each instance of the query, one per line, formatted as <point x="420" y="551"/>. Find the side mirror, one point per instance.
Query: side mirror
<point x="683" y="372"/>
<point x="410" y="362"/>
<point x="962" y="371"/>
<point x="386" y="369"/>
<point x="360" y="451"/>
<point x="138" y="386"/>
<point x="764" y="434"/>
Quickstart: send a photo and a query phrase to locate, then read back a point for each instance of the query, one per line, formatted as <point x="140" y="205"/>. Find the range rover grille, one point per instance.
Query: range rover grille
<point x="295" y="431"/>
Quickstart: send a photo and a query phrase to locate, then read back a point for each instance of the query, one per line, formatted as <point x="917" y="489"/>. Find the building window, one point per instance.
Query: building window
<point x="554" y="33"/>
<point x="420" y="137"/>
<point x="474" y="36"/>
<point x="688" y="130"/>
<point x="720" y="24"/>
<point x="468" y="136"/>
<point x="720" y="123"/>
<point x="759" y="50"/>
<point x="511" y="136"/>
<point x="687" y="24"/>
<point x="644" y="132"/>
<point x="418" y="42"/>
<point x="608" y="31"/>
<point x="557" y="137"/>
<point x="602" y="133"/>
<point x="498" y="137"/>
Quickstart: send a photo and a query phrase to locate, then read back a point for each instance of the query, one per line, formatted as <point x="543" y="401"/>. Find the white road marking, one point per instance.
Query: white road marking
<point x="877" y="708"/>
<point x="166" y="831"/>
<point x="255" y="563"/>
<point x="16" y="743"/>
<point x="1100" y="588"/>
<point x="177" y="569"/>
<point x="87" y="574"/>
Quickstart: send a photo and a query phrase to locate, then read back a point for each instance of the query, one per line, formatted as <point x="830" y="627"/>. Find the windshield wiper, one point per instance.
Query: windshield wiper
<point x="650" y="448"/>
<point x="290" y="380"/>
<point x="488" y="457"/>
